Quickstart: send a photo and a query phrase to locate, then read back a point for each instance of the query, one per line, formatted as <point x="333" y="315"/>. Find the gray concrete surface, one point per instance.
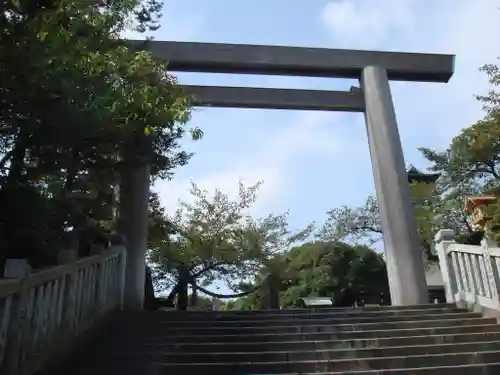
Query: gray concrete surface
<point x="299" y="61"/>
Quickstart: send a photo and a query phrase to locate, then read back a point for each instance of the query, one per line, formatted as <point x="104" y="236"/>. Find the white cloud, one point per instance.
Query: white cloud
<point x="429" y="114"/>
<point x="366" y="23"/>
<point x="305" y="136"/>
<point x="468" y="29"/>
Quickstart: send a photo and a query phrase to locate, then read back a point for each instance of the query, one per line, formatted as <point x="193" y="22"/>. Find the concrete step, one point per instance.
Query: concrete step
<point x="301" y="311"/>
<point x="303" y="355"/>
<point x="199" y="318"/>
<point x="421" y="340"/>
<point x="479" y="369"/>
<point x="255" y="347"/>
<point x="299" y="319"/>
<point x="302" y="333"/>
<point x="476" y="325"/>
<point x="492" y="368"/>
<point x="342" y="365"/>
<point x="249" y="326"/>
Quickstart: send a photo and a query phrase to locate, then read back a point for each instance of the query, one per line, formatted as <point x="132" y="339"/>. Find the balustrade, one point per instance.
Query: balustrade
<point x="42" y="313"/>
<point x="470" y="273"/>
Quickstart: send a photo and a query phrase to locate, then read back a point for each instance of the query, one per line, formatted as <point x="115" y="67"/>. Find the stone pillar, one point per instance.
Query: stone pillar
<point x="443" y="239"/>
<point x="403" y="256"/>
<point x="133" y="223"/>
<point x="16" y="268"/>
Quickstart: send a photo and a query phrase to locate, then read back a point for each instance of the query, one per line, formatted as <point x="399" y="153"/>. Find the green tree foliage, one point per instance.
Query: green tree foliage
<point x="74" y="98"/>
<point x="353" y="224"/>
<point x="471" y="165"/>
<point x="362" y="224"/>
<point x="200" y="303"/>
<point x="215" y="239"/>
<point x="332" y="269"/>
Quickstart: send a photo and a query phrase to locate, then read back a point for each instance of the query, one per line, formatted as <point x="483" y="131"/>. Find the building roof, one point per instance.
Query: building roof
<point x="414" y="175"/>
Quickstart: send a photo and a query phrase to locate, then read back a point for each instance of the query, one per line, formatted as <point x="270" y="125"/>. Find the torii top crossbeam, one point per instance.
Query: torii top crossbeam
<point x="298" y="61"/>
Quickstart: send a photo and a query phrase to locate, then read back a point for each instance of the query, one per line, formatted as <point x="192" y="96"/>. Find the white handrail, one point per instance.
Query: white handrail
<point x="470" y="273"/>
<point x="44" y="311"/>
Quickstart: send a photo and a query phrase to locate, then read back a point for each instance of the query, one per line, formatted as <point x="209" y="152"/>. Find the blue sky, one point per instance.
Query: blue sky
<point x="313" y="161"/>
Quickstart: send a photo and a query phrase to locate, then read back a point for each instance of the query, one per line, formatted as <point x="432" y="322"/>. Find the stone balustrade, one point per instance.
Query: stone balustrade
<point x="42" y="313"/>
<point x="470" y="273"/>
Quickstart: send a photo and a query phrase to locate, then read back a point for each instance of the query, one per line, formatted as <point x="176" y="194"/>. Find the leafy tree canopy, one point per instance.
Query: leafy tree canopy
<point x="362" y="224"/>
<point x="471" y="164"/>
<point x="214" y="237"/>
<point x="74" y="100"/>
<point x="332" y="269"/>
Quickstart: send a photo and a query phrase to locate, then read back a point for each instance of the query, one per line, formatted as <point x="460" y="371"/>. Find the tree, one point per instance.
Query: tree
<point x="362" y="224"/>
<point x="331" y="269"/>
<point x="471" y="164"/>
<point x="215" y="239"/>
<point x="80" y="98"/>
<point x="353" y="224"/>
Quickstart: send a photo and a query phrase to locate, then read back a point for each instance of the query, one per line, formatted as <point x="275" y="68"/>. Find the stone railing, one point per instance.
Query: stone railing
<point x="470" y="273"/>
<point x="41" y="314"/>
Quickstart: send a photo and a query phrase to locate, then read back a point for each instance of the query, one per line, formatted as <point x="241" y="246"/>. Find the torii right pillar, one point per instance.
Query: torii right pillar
<point x="405" y="266"/>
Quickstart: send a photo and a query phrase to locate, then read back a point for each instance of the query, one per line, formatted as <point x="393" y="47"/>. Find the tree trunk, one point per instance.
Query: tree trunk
<point x="149" y="294"/>
<point x="182" y="296"/>
<point x="17" y="160"/>
<point x="194" y="294"/>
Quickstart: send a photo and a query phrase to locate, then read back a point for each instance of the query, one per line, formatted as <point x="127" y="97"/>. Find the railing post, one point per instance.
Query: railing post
<point x="69" y="301"/>
<point x="19" y="327"/>
<point x="490" y="273"/>
<point x="100" y="285"/>
<point x="443" y="239"/>
<point x="123" y="271"/>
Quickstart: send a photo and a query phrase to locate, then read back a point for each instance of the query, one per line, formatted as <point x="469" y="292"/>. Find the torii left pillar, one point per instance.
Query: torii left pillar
<point x="134" y="197"/>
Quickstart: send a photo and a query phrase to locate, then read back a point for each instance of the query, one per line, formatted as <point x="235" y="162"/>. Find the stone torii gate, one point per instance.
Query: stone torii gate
<point x="373" y="69"/>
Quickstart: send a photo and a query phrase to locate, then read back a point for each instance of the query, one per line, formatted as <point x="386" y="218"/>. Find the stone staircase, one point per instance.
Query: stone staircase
<point x="427" y="339"/>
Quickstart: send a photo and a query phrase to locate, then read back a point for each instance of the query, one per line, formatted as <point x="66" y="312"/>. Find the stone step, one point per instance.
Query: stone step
<point x="303" y="355"/>
<point x="251" y="326"/>
<point x="199" y="318"/>
<point x="301" y="332"/>
<point x="292" y="319"/>
<point x="426" y="360"/>
<point x="479" y="369"/>
<point x="255" y="347"/>
<point x="124" y="338"/>
<point x="473" y="369"/>
<point x="342" y="365"/>
<point x="301" y="311"/>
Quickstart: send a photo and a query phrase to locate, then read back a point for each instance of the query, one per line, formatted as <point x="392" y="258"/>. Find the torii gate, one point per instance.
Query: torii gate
<point x="373" y="69"/>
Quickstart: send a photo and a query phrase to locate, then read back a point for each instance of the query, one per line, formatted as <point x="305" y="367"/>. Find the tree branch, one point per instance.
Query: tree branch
<point x="367" y="227"/>
<point x="206" y="269"/>
<point x="492" y="170"/>
<point x="467" y="224"/>
<point x="237" y="295"/>
<point x="5" y="159"/>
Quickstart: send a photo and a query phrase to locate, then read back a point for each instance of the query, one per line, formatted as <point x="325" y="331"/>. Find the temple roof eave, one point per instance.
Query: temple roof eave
<point x="415" y="175"/>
